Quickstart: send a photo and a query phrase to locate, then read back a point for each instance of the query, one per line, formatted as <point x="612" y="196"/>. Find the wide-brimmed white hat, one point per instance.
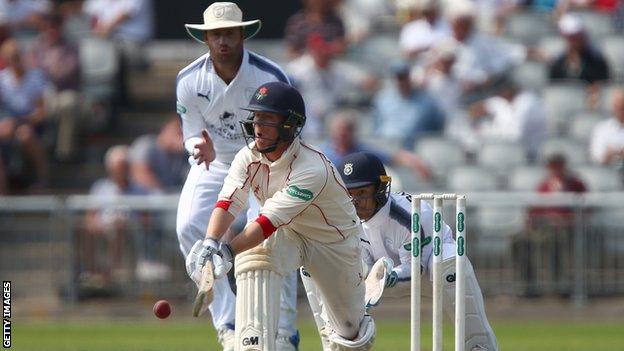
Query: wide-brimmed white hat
<point x="223" y="15"/>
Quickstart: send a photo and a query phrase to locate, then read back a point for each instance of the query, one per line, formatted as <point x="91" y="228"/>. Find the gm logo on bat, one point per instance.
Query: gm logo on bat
<point x="251" y="340"/>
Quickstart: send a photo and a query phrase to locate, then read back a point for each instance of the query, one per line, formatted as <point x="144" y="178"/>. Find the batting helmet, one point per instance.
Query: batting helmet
<point x="362" y="169"/>
<point x="279" y="98"/>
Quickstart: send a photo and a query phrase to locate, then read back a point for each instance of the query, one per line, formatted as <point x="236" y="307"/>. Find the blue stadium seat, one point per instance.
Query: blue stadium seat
<point x="552" y="46"/>
<point x="598" y="25"/>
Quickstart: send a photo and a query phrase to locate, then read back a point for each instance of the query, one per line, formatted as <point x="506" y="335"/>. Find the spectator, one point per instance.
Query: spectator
<point x="427" y="28"/>
<point x="324" y="82"/>
<point x="607" y="141"/>
<point x="481" y="59"/>
<point x="59" y="60"/>
<point x="23" y="17"/>
<point x="512" y="115"/>
<point x="110" y="222"/>
<point x="158" y="163"/>
<point x="361" y="16"/>
<point x="344" y="141"/>
<point x="437" y="77"/>
<point x="580" y="60"/>
<point x="317" y="17"/>
<point x="21" y="102"/>
<point x="551" y="228"/>
<point x="405" y="112"/>
<point x="129" y="24"/>
<point x="4" y="187"/>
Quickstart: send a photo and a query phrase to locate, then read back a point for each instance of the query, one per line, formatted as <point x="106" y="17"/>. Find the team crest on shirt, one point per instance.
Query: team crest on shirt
<point x="227" y="128"/>
<point x="262" y="93"/>
<point x="348" y="169"/>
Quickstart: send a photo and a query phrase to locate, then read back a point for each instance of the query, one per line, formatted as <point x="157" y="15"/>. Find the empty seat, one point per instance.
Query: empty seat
<point x="574" y="151"/>
<point x="98" y="66"/>
<point x="583" y="125"/>
<point x="470" y="179"/>
<point x="526" y="178"/>
<point x="529" y="26"/>
<point x="378" y="50"/>
<point x="613" y="49"/>
<point x="606" y="96"/>
<point x="598" y="25"/>
<point x="562" y="100"/>
<point x="497" y="226"/>
<point x="530" y="75"/>
<point x="598" y="178"/>
<point x="440" y="154"/>
<point x="501" y="156"/>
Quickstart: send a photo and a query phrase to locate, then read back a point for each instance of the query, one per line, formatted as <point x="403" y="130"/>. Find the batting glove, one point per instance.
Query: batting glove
<point x="201" y="252"/>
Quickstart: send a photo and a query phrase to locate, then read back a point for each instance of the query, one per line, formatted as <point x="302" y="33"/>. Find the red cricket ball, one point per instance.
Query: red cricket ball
<point x="162" y="309"/>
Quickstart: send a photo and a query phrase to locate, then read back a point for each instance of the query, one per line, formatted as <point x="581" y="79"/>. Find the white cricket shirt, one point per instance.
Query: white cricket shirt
<point x="206" y="102"/>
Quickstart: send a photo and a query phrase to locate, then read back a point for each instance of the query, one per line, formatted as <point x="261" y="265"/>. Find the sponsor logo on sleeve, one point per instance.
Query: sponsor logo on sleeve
<point x="180" y="108"/>
<point x="303" y="194"/>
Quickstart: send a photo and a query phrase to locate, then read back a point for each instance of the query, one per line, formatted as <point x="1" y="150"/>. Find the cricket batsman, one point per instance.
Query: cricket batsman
<point x="306" y="219"/>
<point x="210" y="93"/>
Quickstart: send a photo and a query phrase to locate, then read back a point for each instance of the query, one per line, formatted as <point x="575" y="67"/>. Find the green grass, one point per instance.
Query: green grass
<point x="392" y="335"/>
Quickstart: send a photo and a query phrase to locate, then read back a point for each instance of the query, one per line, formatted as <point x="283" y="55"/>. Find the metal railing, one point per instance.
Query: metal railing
<point x="524" y="244"/>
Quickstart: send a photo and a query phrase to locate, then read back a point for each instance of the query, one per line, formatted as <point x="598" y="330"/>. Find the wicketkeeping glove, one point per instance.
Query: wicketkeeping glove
<point x="392" y="279"/>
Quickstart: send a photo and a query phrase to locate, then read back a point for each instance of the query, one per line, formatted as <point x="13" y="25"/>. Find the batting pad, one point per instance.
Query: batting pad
<point x="316" y="305"/>
<point x="478" y="330"/>
<point x="257" y="301"/>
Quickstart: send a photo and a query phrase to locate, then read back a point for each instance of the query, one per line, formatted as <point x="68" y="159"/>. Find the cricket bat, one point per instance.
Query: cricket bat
<point x="204" y="295"/>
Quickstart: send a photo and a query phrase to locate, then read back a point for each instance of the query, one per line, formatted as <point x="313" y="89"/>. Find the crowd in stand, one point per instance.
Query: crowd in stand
<point x="386" y="76"/>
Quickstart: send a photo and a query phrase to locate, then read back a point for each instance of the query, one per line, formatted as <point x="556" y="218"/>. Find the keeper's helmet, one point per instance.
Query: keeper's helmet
<point x="279" y="98"/>
<point x="361" y="169"/>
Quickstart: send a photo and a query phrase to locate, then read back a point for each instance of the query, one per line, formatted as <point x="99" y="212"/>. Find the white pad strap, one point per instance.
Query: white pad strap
<point x="478" y="329"/>
<point x="363" y="342"/>
<point x="257" y="300"/>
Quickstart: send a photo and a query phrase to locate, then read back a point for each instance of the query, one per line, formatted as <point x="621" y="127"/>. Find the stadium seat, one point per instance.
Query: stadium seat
<point x="526" y="178"/>
<point x="99" y="65"/>
<point x="552" y="46"/>
<point x="529" y="26"/>
<point x="531" y="75"/>
<point x="440" y="154"/>
<point x="583" y="125"/>
<point x="575" y="152"/>
<point x="562" y="100"/>
<point x="606" y="96"/>
<point x="378" y="50"/>
<point x="598" y="25"/>
<point x="470" y="179"/>
<point x="599" y="179"/>
<point x="613" y="49"/>
<point x="497" y="226"/>
<point x="501" y="156"/>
